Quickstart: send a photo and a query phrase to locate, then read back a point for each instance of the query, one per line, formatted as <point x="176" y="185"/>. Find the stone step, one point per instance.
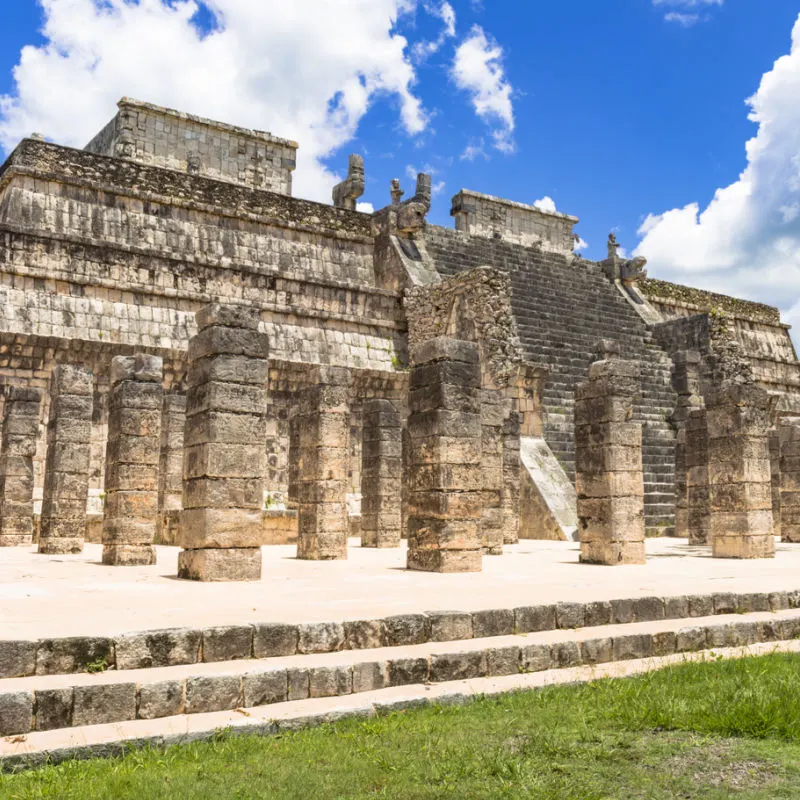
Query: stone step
<point x="42" y="703"/>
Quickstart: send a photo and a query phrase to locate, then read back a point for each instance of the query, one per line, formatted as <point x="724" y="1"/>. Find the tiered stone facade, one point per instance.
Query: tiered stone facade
<point x="224" y="451"/>
<point x="608" y="453"/>
<point x="444" y="473"/>
<point x="381" y="474"/>
<point x="66" y="479"/>
<point x="131" y="486"/>
<point x="740" y="490"/>
<point x="17" y="448"/>
<point x="323" y="431"/>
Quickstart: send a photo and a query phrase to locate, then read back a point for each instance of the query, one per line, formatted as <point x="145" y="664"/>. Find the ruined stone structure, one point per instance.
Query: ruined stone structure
<point x="113" y="250"/>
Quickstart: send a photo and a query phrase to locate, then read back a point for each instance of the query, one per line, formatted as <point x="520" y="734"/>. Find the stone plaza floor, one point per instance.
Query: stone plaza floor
<point x="48" y="596"/>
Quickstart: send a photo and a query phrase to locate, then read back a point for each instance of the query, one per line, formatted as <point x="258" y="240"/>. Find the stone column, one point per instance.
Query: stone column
<point x="445" y="476"/>
<point x="381" y="474"/>
<point x="698" y="511"/>
<point x="685" y="384"/>
<point x="775" y="473"/>
<point x="789" y="438"/>
<point x="492" y="409"/>
<point x="131" y="485"/>
<point x="170" y="468"/>
<point x="740" y="488"/>
<point x="608" y="456"/>
<point x="224" y="447"/>
<point x="511" y="478"/>
<point x="323" y="431"/>
<point x="17" y="449"/>
<point x="66" y="475"/>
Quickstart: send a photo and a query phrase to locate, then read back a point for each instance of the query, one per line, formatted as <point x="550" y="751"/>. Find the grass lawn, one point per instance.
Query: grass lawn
<point x="714" y="730"/>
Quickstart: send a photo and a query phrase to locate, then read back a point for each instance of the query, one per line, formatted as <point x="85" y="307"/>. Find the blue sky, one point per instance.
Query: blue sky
<point x="621" y="111"/>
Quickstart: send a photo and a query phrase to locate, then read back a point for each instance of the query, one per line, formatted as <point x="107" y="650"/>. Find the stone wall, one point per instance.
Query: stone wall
<point x="494" y="218"/>
<point x="166" y="138"/>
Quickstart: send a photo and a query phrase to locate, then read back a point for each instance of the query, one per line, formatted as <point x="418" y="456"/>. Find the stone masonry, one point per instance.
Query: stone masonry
<point x="170" y="467"/>
<point x="381" y="474"/>
<point x="789" y="439"/>
<point x="66" y="480"/>
<point x="608" y="453"/>
<point x="131" y="485"/>
<point x="493" y="408"/>
<point x="323" y="431"/>
<point x="224" y="447"/>
<point x="740" y="490"/>
<point x="18" y="446"/>
<point x="444" y="475"/>
<point x="510" y="500"/>
<point x="698" y="511"/>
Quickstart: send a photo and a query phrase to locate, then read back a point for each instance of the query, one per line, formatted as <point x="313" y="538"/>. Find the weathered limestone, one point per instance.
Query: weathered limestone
<point x="170" y="467"/>
<point x="789" y="439"/>
<point x="131" y="484"/>
<point x="381" y="474"/>
<point x="66" y="479"/>
<point x="686" y="386"/>
<point x="698" y="511"/>
<point x="323" y="430"/>
<point x="492" y="409"/>
<point x="346" y="193"/>
<point x="608" y="451"/>
<point x="740" y="492"/>
<point x="224" y="447"/>
<point x="17" y="448"/>
<point x="775" y="472"/>
<point x="445" y="475"/>
<point x="510" y="499"/>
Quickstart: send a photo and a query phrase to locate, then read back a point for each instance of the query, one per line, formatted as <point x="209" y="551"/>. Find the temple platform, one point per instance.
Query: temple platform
<point x="63" y="596"/>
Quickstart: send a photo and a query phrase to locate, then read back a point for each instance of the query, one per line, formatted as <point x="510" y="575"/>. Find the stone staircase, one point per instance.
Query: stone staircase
<point x="179" y="684"/>
<point x="562" y="310"/>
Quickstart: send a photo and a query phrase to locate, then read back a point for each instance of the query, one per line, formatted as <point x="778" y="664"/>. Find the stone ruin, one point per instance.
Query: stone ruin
<point x="190" y="356"/>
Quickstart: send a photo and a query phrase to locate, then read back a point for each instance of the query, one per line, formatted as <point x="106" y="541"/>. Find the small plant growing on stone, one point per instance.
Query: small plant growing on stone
<point x="98" y="665"/>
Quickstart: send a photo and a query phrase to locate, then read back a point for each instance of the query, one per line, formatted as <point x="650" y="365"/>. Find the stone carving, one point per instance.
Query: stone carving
<point x="411" y="213"/>
<point x="346" y="193"/>
<point x="629" y="271"/>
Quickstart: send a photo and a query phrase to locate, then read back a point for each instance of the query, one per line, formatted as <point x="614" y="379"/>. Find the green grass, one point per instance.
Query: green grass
<point x="714" y="730"/>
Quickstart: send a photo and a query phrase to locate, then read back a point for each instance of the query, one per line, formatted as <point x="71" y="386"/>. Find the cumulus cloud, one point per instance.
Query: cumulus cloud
<point x="747" y="240"/>
<point x="478" y="69"/>
<point x="445" y="12"/>
<point x="365" y="208"/>
<point x="306" y="70"/>
<point x="475" y="150"/>
<point x="546" y="204"/>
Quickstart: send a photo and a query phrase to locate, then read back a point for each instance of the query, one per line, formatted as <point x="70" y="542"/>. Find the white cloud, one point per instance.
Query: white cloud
<point x="474" y="150"/>
<point x="686" y="20"/>
<point x="306" y="70"/>
<point x="478" y="69"/>
<point x="438" y="188"/>
<point x="580" y="244"/>
<point x="445" y="12"/>
<point x="546" y="204"/>
<point x="686" y="13"/>
<point x="747" y="240"/>
<point x="366" y="208"/>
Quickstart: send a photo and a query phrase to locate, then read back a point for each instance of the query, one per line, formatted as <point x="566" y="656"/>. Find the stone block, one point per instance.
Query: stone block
<point x="16" y="713"/>
<point x="298" y="683"/>
<point x="330" y="681"/>
<point x="320" y="637"/>
<point x="457" y="666"/>
<point x="503" y="661"/>
<point x="762" y="546"/>
<point x="231" y="564"/>
<point x="597" y="651"/>
<point x="690" y="640"/>
<point x="17" y="658"/>
<point x="73" y="654"/>
<point x="445" y="561"/>
<point x="227" y="643"/>
<point x="535" y="658"/>
<point x="370" y="677"/>
<point x="676" y="607"/>
<point x="228" y="315"/>
<point x="218" y="340"/>
<point x="565" y="655"/>
<point x="103" y="703"/>
<point x="161" y="648"/>
<point x="129" y="555"/>
<point x="274" y="639"/>
<point x="54" y="709"/>
<point x="613" y="553"/>
<point x="265" y="688"/>
<point x="597" y="613"/>
<point x="408" y="671"/>
<point x="649" y="609"/>
<point x="364" y="634"/>
<point x="162" y="699"/>
<point x="494" y="622"/>
<point x="406" y="629"/>
<point x="632" y="646"/>
<point x="231" y="528"/>
<point x="207" y="693"/>
<point x="449" y="626"/>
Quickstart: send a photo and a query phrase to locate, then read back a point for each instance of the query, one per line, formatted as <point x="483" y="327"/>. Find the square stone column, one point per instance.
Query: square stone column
<point x="775" y="474"/>
<point x="789" y="440"/>
<point x="698" y="509"/>
<point x="445" y="477"/>
<point x="66" y="472"/>
<point x="740" y="488"/>
<point x="492" y="409"/>
<point x="224" y="447"/>
<point x="323" y="435"/>
<point x="17" y="449"/>
<point x="170" y="467"/>
<point x="131" y="485"/>
<point x="511" y="478"/>
<point x="608" y="456"/>
<point x="381" y="474"/>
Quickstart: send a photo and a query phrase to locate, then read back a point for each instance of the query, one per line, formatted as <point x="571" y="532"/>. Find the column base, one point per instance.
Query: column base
<point x="445" y="560"/>
<point x="16" y="540"/>
<point x="220" y="564"/>
<point x="61" y="545"/>
<point x="129" y="555"/>
<point x="743" y="546"/>
<point x="612" y="554"/>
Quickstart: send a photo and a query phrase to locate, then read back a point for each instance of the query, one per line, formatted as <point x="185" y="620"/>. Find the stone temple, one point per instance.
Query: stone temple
<point x="414" y="449"/>
<point x="192" y="356"/>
